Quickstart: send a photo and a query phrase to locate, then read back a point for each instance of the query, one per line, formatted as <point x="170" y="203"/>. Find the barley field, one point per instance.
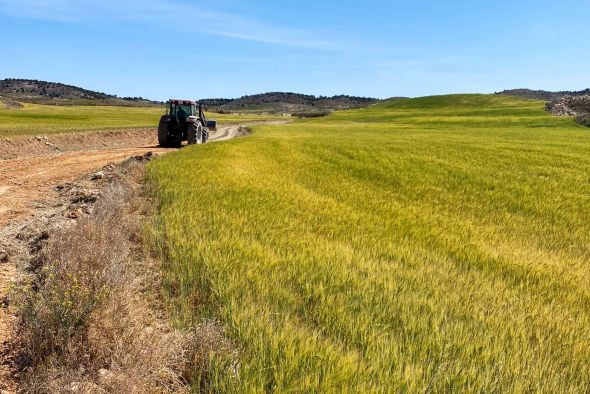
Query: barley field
<point x="439" y="244"/>
<point x="36" y="119"/>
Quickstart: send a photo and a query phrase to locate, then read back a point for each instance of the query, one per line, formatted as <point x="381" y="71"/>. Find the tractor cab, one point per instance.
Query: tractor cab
<point x="180" y="110"/>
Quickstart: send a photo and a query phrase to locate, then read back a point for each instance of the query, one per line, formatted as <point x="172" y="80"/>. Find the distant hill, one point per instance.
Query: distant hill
<point x="33" y="91"/>
<point x="542" y="94"/>
<point x="286" y="102"/>
<point x="53" y="93"/>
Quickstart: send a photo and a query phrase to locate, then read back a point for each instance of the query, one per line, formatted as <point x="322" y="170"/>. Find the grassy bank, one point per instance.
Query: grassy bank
<point x="34" y="119"/>
<point x="435" y="244"/>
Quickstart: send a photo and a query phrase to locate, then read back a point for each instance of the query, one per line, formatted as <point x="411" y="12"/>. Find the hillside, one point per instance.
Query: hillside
<point x="430" y="245"/>
<point x="53" y="93"/>
<point x="542" y="94"/>
<point x="286" y="102"/>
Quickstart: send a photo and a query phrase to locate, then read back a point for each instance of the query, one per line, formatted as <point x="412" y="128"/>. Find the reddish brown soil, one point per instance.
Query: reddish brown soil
<point x="34" y="146"/>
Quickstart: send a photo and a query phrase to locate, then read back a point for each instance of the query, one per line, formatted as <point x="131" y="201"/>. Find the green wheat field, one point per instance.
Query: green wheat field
<point x="35" y="119"/>
<point x="439" y="244"/>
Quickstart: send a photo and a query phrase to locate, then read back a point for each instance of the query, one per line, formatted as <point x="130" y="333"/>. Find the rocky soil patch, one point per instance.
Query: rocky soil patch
<point x="578" y="106"/>
<point x="9" y="103"/>
<point x="569" y="105"/>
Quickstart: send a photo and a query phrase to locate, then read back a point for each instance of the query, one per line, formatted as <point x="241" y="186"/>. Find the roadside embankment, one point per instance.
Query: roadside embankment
<point x="91" y="313"/>
<point x="34" y="146"/>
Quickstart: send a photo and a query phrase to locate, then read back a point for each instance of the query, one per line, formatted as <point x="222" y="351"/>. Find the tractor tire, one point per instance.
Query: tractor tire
<point x="163" y="139"/>
<point x="195" y="133"/>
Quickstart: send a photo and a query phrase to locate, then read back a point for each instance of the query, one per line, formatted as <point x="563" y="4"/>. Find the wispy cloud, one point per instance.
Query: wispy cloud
<point x="176" y="15"/>
<point x="433" y="61"/>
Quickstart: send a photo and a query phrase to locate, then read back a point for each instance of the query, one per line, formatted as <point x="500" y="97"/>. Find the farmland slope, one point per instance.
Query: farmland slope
<point x="35" y="119"/>
<point x="434" y="244"/>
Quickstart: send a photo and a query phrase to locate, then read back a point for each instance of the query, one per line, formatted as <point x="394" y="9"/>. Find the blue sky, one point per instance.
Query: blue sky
<point x="223" y="48"/>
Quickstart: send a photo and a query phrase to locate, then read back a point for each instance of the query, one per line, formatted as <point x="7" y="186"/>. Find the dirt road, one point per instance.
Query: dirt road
<point x="26" y="182"/>
<point x="30" y="171"/>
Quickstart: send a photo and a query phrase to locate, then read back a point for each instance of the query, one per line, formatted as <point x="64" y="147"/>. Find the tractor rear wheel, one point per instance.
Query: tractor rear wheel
<point x="195" y="133"/>
<point x="163" y="139"/>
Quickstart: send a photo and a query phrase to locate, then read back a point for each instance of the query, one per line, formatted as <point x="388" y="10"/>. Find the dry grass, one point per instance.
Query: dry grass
<point x="92" y="319"/>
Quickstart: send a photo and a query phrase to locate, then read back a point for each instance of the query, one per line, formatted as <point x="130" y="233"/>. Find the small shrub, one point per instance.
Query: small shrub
<point x="310" y="114"/>
<point x="583" y="119"/>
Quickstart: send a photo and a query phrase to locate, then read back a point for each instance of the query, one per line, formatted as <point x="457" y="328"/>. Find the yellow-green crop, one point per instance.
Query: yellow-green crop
<point x="439" y="244"/>
<point x="34" y="119"/>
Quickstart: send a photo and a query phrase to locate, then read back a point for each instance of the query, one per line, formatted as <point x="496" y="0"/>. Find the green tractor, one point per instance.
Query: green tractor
<point x="184" y="120"/>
